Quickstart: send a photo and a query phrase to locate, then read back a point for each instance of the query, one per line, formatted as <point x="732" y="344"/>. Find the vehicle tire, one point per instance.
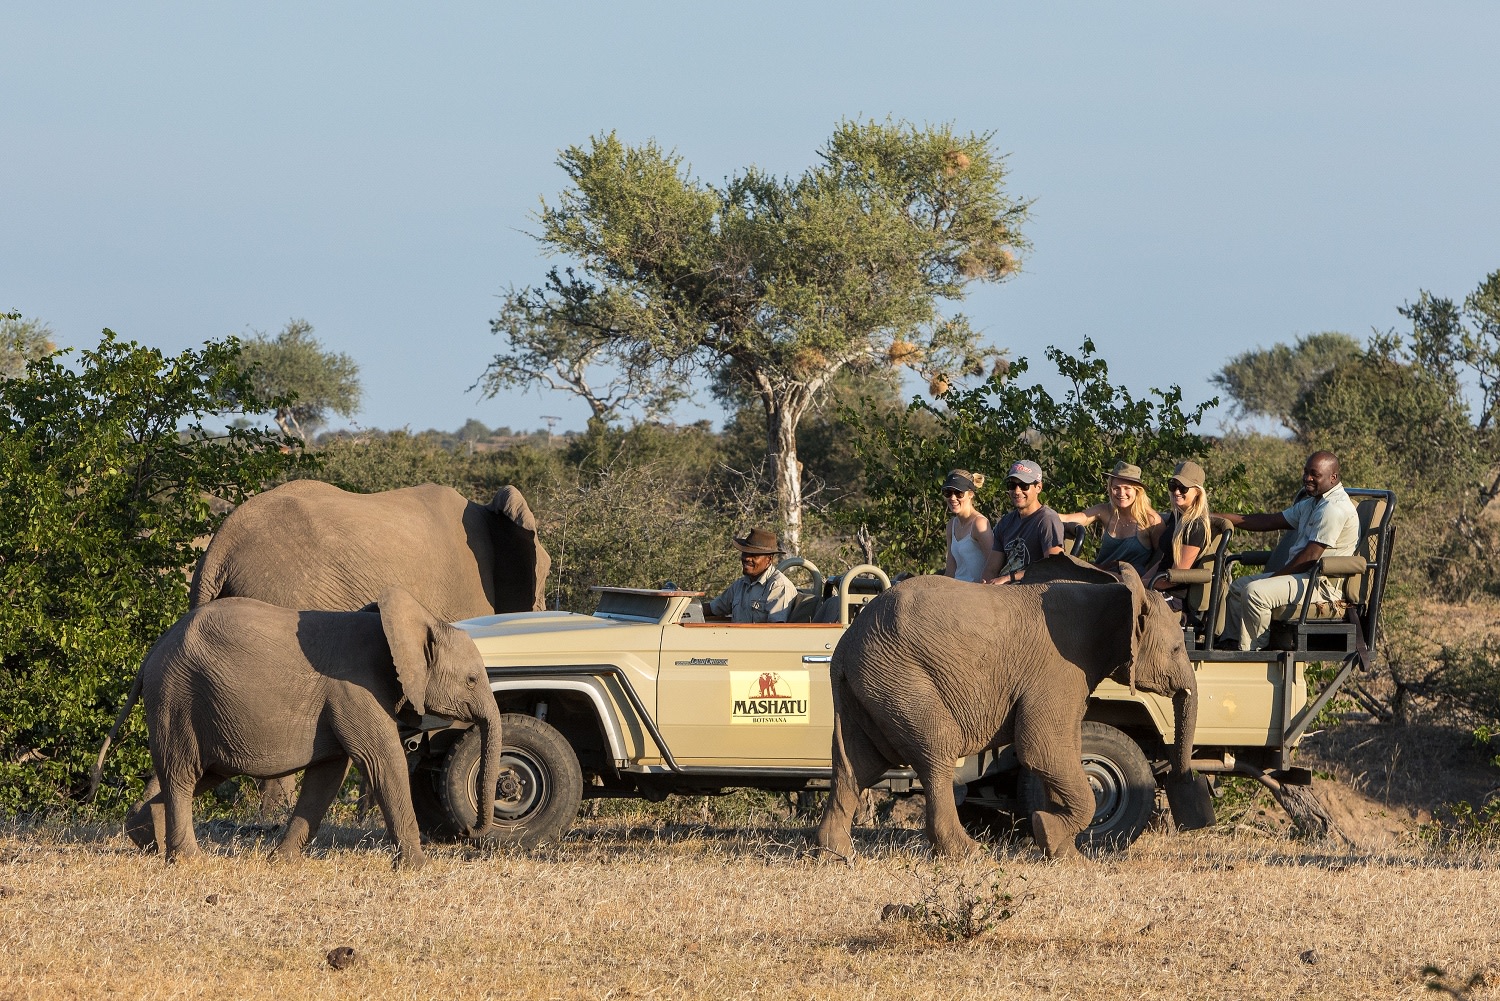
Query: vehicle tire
<point x="1124" y="788"/>
<point x="427" y="801"/>
<point x="540" y="784"/>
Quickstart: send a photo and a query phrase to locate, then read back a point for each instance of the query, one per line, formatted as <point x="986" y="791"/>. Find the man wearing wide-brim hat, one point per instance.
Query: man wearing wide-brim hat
<point x="762" y="594"/>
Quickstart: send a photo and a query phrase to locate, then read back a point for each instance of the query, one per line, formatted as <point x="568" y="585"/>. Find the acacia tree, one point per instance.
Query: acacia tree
<point x="305" y="380"/>
<point x="22" y="341"/>
<point x="770" y="286"/>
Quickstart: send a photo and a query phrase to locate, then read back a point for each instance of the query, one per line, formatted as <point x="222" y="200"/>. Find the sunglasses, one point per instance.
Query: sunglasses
<point x="1178" y="488"/>
<point x="1015" y="485"/>
<point x="949" y="492"/>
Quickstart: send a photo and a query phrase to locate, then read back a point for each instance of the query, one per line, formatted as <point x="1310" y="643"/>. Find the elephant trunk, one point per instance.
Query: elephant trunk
<point x="1185" y="725"/>
<point x="489" y="770"/>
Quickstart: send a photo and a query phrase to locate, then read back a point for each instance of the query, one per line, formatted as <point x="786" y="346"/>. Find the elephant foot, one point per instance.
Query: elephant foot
<point x="409" y="861"/>
<point x="955" y="845"/>
<point x="142" y="833"/>
<point x="833" y="842"/>
<point x="285" y="855"/>
<point x="1053" y="835"/>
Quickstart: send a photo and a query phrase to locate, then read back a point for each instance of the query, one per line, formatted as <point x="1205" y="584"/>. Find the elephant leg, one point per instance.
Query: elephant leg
<point x="176" y="801"/>
<point x="944" y="829"/>
<point x="379" y="756"/>
<point x="320" y="786"/>
<point x="275" y="796"/>
<point x="857" y="765"/>
<point x="146" y="825"/>
<point x="1053" y="750"/>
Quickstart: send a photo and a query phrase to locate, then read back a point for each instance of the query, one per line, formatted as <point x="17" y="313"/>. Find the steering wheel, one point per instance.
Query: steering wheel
<point x="813" y="573"/>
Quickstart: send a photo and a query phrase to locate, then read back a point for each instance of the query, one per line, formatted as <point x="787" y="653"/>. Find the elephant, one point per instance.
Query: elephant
<point x="241" y="687"/>
<point x="309" y="545"/>
<point x="936" y="669"/>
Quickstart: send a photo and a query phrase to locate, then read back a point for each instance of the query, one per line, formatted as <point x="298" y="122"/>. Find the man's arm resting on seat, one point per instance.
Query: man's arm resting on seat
<point x="1273" y="522"/>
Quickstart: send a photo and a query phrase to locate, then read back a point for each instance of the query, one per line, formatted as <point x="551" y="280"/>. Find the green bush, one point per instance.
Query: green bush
<point x="107" y="476"/>
<point x="1076" y="439"/>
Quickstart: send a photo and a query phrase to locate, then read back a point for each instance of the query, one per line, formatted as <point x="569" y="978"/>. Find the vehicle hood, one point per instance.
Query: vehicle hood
<point x="558" y="637"/>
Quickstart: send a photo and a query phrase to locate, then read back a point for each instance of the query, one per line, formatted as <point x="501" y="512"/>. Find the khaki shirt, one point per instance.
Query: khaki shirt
<point x="767" y="598"/>
<point x="1330" y="520"/>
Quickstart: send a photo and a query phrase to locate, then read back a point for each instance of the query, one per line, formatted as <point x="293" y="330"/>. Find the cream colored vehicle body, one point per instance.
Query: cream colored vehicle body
<point x="649" y="699"/>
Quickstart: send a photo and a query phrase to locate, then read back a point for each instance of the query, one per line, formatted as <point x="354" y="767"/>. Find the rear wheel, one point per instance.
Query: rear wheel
<point x="1123" y="783"/>
<point x="540" y="786"/>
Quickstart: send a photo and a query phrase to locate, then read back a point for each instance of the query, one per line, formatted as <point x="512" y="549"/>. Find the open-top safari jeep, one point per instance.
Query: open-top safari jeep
<point x="645" y="697"/>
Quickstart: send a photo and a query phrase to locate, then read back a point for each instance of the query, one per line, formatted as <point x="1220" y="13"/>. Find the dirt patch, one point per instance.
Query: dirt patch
<point x="1384" y="782"/>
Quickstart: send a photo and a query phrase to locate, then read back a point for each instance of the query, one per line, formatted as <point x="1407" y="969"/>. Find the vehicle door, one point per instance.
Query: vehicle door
<point x="733" y="695"/>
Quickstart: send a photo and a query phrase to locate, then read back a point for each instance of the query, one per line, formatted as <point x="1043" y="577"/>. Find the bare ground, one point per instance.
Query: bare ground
<point x="624" y="910"/>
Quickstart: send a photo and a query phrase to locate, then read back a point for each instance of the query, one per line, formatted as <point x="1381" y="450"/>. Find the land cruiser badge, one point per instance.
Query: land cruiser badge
<point x="769" y="697"/>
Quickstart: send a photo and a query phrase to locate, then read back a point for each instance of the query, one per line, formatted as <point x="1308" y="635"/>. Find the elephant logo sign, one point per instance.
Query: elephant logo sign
<point x="769" y="697"/>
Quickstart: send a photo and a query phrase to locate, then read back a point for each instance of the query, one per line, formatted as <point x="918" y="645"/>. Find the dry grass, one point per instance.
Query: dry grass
<point x="620" y="911"/>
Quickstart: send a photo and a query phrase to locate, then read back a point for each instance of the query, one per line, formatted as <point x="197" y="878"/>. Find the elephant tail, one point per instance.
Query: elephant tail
<point x="206" y="582"/>
<point x="130" y="701"/>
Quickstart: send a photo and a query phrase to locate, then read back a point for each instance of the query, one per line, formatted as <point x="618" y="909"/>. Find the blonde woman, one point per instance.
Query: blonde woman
<point x="1127" y="518"/>
<point x="1183" y="533"/>
<point x="968" y="530"/>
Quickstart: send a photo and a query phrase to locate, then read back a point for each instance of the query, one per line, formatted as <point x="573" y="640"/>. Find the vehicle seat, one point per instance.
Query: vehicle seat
<point x="1078" y="534"/>
<point x="1204" y="586"/>
<point x="804" y="607"/>
<point x="1356" y="571"/>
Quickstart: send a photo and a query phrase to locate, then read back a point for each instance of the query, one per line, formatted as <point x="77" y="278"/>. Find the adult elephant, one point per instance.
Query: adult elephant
<point x="240" y="687"/>
<point x="309" y="545"/>
<point x="936" y="669"/>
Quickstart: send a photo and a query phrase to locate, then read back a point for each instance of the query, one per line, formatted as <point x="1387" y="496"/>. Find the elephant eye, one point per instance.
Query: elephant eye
<point x="473" y="681"/>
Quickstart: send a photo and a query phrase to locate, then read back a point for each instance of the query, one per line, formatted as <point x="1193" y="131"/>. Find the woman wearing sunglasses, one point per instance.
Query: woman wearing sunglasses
<point x="1183" y="533"/>
<point x="968" y="530"/>
<point x="1127" y="518"/>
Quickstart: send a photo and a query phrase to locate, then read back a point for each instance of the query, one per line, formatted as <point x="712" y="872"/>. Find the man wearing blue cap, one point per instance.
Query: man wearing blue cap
<point x="1031" y="532"/>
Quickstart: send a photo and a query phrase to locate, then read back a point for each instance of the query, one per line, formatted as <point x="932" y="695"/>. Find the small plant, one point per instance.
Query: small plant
<point x="958" y="905"/>
<point x="1465" y="825"/>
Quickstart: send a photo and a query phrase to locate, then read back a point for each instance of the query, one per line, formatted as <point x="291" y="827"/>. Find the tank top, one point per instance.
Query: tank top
<point x="1127" y="550"/>
<point x="968" y="556"/>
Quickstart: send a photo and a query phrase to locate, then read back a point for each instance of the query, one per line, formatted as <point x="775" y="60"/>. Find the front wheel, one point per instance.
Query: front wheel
<point x="1123" y="783"/>
<point x="540" y="786"/>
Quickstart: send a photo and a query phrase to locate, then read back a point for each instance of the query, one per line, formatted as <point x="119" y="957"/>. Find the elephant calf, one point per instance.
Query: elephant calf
<point x="240" y="687"/>
<point x="937" y="669"/>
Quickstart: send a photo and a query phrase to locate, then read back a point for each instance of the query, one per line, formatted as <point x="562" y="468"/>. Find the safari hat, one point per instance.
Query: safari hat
<point x="1025" y="472"/>
<point x="759" y="542"/>
<point x="1189" y="474"/>
<point x="1127" y="472"/>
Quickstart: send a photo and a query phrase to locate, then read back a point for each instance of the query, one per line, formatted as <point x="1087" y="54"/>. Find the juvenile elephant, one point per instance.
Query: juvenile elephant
<point x="937" y="669"/>
<point x="307" y="544"/>
<point x="240" y="687"/>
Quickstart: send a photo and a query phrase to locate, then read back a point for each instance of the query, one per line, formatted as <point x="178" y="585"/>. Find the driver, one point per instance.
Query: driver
<point x="763" y="593"/>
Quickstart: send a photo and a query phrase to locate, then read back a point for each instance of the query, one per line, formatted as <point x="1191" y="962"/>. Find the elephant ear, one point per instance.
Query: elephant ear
<point x="410" y="629"/>
<point x="521" y="562"/>
<point x="1139" y="609"/>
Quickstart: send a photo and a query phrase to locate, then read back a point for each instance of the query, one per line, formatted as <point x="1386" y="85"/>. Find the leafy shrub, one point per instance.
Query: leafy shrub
<point x="1076" y="439"/>
<point x="107" y="476"/>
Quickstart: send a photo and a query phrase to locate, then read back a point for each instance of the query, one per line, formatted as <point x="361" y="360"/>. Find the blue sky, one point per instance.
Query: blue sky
<point x="1207" y="177"/>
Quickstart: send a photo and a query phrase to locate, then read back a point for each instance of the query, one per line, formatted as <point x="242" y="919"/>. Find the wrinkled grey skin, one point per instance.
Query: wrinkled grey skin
<point x="308" y="544"/>
<point x="240" y="687"/>
<point x="936" y="669"/>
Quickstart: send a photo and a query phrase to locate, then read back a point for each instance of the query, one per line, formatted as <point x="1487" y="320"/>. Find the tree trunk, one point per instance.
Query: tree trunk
<point x="782" y="417"/>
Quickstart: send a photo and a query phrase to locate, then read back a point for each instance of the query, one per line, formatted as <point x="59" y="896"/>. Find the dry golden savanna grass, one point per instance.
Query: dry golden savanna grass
<point x="630" y="908"/>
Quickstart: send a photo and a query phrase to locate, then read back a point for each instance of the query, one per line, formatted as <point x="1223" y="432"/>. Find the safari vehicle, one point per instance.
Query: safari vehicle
<point x="647" y="698"/>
